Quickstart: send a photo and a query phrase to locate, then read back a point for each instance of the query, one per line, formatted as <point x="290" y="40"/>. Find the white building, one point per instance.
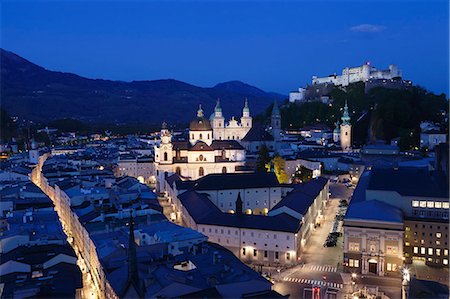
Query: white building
<point x="233" y="130"/>
<point x="359" y="74"/>
<point x="202" y="154"/>
<point x="297" y="96"/>
<point x="275" y="238"/>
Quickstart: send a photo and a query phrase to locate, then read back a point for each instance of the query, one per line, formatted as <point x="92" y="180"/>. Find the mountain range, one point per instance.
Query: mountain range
<point x="32" y="92"/>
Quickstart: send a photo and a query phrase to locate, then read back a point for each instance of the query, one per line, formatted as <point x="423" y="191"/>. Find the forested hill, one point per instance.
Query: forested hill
<point x="386" y="113"/>
<point x="32" y="92"/>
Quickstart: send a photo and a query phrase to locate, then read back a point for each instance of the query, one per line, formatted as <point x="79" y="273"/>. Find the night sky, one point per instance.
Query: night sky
<point x="276" y="46"/>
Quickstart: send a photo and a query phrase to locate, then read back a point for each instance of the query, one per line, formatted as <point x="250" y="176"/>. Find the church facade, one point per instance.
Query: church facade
<point x="210" y="148"/>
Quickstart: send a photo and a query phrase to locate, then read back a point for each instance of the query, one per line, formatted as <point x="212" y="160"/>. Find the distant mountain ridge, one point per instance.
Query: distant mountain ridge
<point x="35" y="93"/>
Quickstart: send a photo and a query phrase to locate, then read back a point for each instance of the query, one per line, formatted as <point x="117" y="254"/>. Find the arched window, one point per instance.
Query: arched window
<point x="201" y="136"/>
<point x="201" y="171"/>
<point x="192" y="136"/>
<point x="208" y="136"/>
<point x="224" y="169"/>
<point x="178" y="170"/>
<point x="165" y="156"/>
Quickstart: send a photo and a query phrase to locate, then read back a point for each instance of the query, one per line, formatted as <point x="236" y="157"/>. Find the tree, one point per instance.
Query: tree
<point x="279" y="165"/>
<point x="263" y="159"/>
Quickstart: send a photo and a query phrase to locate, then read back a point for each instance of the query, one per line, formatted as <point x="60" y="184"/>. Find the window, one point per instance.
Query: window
<point x="243" y="251"/>
<point x="276" y="255"/>
<point x="178" y="170"/>
<point x="437" y="204"/>
<point x="288" y="256"/>
<point x="445" y="261"/>
<point x="353" y="246"/>
<point x="201" y="136"/>
<point x="407" y="228"/>
<point x="353" y="263"/>
<point x="438" y="251"/>
<point x="287" y="237"/>
<point x="255" y="252"/>
<point x="265" y="254"/>
<point x="416" y="249"/>
<point x="407" y="244"/>
<point x="422" y="250"/>
<point x="423" y="204"/>
<point x="445" y="251"/>
<point x="438" y="235"/>
<point x="445" y="205"/>
<point x="224" y="169"/>
<point x="430" y="251"/>
<point x="201" y="171"/>
<point x="251" y="234"/>
<point x="373" y="247"/>
<point x="392" y="249"/>
<point x="165" y="156"/>
<point x="415" y="203"/>
<point x="389" y="266"/>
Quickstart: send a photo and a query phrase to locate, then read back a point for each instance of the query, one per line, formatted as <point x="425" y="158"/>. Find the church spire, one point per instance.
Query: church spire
<point x="345" y="116"/>
<point x="133" y="275"/>
<point x="200" y="111"/>
<point x="239" y="204"/>
<point x="218" y="108"/>
<point x="275" y="109"/>
<point x="246" y="110"/>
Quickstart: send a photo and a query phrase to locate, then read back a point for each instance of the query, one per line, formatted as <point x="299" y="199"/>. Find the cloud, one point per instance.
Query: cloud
<point x="367" y="28"/>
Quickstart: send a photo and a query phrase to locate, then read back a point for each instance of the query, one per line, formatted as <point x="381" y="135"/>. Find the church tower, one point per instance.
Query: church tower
<point x="166" y="147"/>
<point x="218" y="122"/>
<point x="346" y="130"/>
<point x="246" y="120"/>
<point x="336" y="132"/>
<point x="33" y="153"/>
<point x="275" y="120"/>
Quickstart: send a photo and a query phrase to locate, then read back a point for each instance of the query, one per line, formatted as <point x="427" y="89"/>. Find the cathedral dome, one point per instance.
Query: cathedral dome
<point x="200" y="123"/>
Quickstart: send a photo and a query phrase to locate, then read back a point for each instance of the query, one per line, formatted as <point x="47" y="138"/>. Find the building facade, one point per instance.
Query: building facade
<point x="202" y="154"/>
<point x="359" y="74"/>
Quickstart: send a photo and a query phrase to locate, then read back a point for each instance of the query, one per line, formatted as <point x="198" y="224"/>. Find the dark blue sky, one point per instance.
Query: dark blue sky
<point x="276" y="46"/>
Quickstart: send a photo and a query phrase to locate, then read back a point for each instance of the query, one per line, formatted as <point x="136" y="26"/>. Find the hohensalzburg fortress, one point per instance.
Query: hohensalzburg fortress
<point x="359" y="74"/>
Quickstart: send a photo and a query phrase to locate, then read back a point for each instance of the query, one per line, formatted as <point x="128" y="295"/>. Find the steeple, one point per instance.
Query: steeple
<point x="345" y="117"/>
<point x="275" y="109"/>
<point x="218" y="108"/>
<point x="133" y="275"/>
<point x="246" y="110"/>
<point x="200" y="111"/>
<point x="239" y="204"/>
<point x="275" y="121"/>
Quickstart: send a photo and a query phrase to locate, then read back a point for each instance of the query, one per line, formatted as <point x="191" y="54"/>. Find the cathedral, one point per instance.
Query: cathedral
<point x="212" y="146"/>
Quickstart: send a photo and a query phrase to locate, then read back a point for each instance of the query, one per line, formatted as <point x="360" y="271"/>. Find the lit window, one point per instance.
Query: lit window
<point x="392" y="249"/>
<point x="407" y="228"/>
<point x="430" y="204"/>
<point x="423" y="204"/>
<point x="353" y="246"/>
<point x="438" y="251"/>
<point x="416" y="249"/>
<point x="438" y="235"/>
<point x="430" y="251"/>
<point x="437" y="204"/>
<point x="415" y="203"/>
<point x="445" y="251"/>
<point x="407" y="244"/>
<point x="445" y="261"/>
<point x="389" y="267"/>
<point x="445" y="205"/>
<point x="422" y="250"/>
